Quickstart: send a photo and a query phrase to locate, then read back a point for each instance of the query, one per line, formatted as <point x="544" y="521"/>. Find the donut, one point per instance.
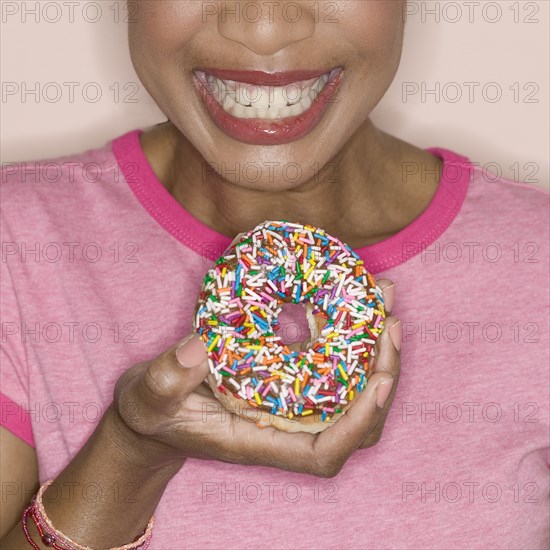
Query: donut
<point x="252" y="372"/>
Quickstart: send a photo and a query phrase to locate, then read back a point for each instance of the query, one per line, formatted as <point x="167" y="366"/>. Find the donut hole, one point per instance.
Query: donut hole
<point x="293" y="327"/>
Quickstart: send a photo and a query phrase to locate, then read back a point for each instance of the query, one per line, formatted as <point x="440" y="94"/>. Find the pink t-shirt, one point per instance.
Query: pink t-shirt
<point x="101" y="268"/>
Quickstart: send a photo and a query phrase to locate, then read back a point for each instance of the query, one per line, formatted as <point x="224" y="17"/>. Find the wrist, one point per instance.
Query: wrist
<point x="107" y="494"/>
<point x="136" y="450"/>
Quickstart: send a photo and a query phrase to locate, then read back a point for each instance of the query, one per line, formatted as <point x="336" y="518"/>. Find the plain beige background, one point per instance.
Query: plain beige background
<point x="474" y="78"/>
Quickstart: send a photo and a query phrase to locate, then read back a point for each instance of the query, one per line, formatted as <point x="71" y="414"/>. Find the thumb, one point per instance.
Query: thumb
<point x="190" y="352"/>
<point x="173" y="375"/>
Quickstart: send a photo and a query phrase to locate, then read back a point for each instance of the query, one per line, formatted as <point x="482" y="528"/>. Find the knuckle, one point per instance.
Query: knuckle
<point x="157" y="381"/>
<point x="327" y="468"/>
<point x="125" y="379"/>
<point x="374" y="437"/>
<point x="129" y="407"/>
<point x="130" y="413"/>
<point x="330" y="471"/>
<point x="125" y="398"/>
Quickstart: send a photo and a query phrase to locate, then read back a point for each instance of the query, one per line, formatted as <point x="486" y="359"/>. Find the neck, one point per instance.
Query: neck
<point x="359" y="196"/>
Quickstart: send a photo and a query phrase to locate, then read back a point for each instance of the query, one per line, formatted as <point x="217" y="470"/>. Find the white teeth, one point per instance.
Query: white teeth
<point x="295" y="109"/>
<point x="229" y="84"/>
<point x="244" y="100"/>
<point x="278" y="97"/>
<point x="228" y="102"/>
<point x="306" y="102"/>
<point x="239" y="111"/>
<point x="219" y="93"/>
<point x="320" y="84"/>
<point x="246" y="94"/>
<point x="294" y="94"/>
<point x="263" y="101"/>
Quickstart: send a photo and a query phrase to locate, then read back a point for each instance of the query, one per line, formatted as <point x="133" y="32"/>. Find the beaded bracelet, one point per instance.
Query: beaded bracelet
<point x="53" y="538"/>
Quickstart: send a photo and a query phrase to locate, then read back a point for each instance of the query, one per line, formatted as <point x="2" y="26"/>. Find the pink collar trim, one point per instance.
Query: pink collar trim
<point x="207" y="242"/>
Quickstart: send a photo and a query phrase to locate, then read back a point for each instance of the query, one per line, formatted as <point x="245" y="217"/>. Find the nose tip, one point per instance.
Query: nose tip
<point x="265" y="27"/>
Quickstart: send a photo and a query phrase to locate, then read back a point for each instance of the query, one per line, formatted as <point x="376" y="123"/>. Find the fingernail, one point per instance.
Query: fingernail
<point x="396" y="334"/>
<point x="389" y="293"/>
<point x="382" y="392"/>
<point x="191" y="352"/>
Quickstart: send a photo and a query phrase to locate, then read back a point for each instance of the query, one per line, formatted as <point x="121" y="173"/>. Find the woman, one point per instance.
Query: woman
<point x="102" y="388"/>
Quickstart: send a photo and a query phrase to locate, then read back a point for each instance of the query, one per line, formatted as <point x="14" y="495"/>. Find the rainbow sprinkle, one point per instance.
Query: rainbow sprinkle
<point x="242" y="296"/>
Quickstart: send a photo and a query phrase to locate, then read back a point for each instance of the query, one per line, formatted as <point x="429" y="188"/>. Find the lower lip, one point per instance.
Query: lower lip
<point x="257" y="131"/>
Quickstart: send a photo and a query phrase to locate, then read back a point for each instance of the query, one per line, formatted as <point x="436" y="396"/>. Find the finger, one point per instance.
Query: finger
<point x="325" y="454"/>
<point x="388" y="290"/>
<point x="376" y="433"/>
<point x="334" y="445"/>
<point x="212" y="431"/>
<point x="322" y="455"/>
<point x="173" y="375"/>
<point x="388" y="347"/>
<point x="204" y="389"/>
<point x="389" y="361"/>
<point x="240" y="441"/>
<point x="246" y="443"/>
<point x="374" y="436"/>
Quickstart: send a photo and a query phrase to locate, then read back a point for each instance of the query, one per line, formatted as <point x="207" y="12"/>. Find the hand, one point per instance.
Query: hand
<point x="172" y="415"/>
<point x="388" y="361"/>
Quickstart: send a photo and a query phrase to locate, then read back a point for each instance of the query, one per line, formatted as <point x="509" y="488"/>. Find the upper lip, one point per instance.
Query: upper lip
<point x="259" y="78"/>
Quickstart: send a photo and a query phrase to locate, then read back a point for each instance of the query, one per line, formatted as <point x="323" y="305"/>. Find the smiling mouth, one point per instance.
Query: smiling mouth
<point x="245" y="100"/>
<point x="261" y="108"/>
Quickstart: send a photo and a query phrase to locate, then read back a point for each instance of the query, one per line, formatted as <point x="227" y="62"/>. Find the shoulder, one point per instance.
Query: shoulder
<point x="55" y="174"/>
<point x="37" y="193"/>
<point x="504" y="205"/>
<point x="506" y="195"/>
<point x="507" y="221"/>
